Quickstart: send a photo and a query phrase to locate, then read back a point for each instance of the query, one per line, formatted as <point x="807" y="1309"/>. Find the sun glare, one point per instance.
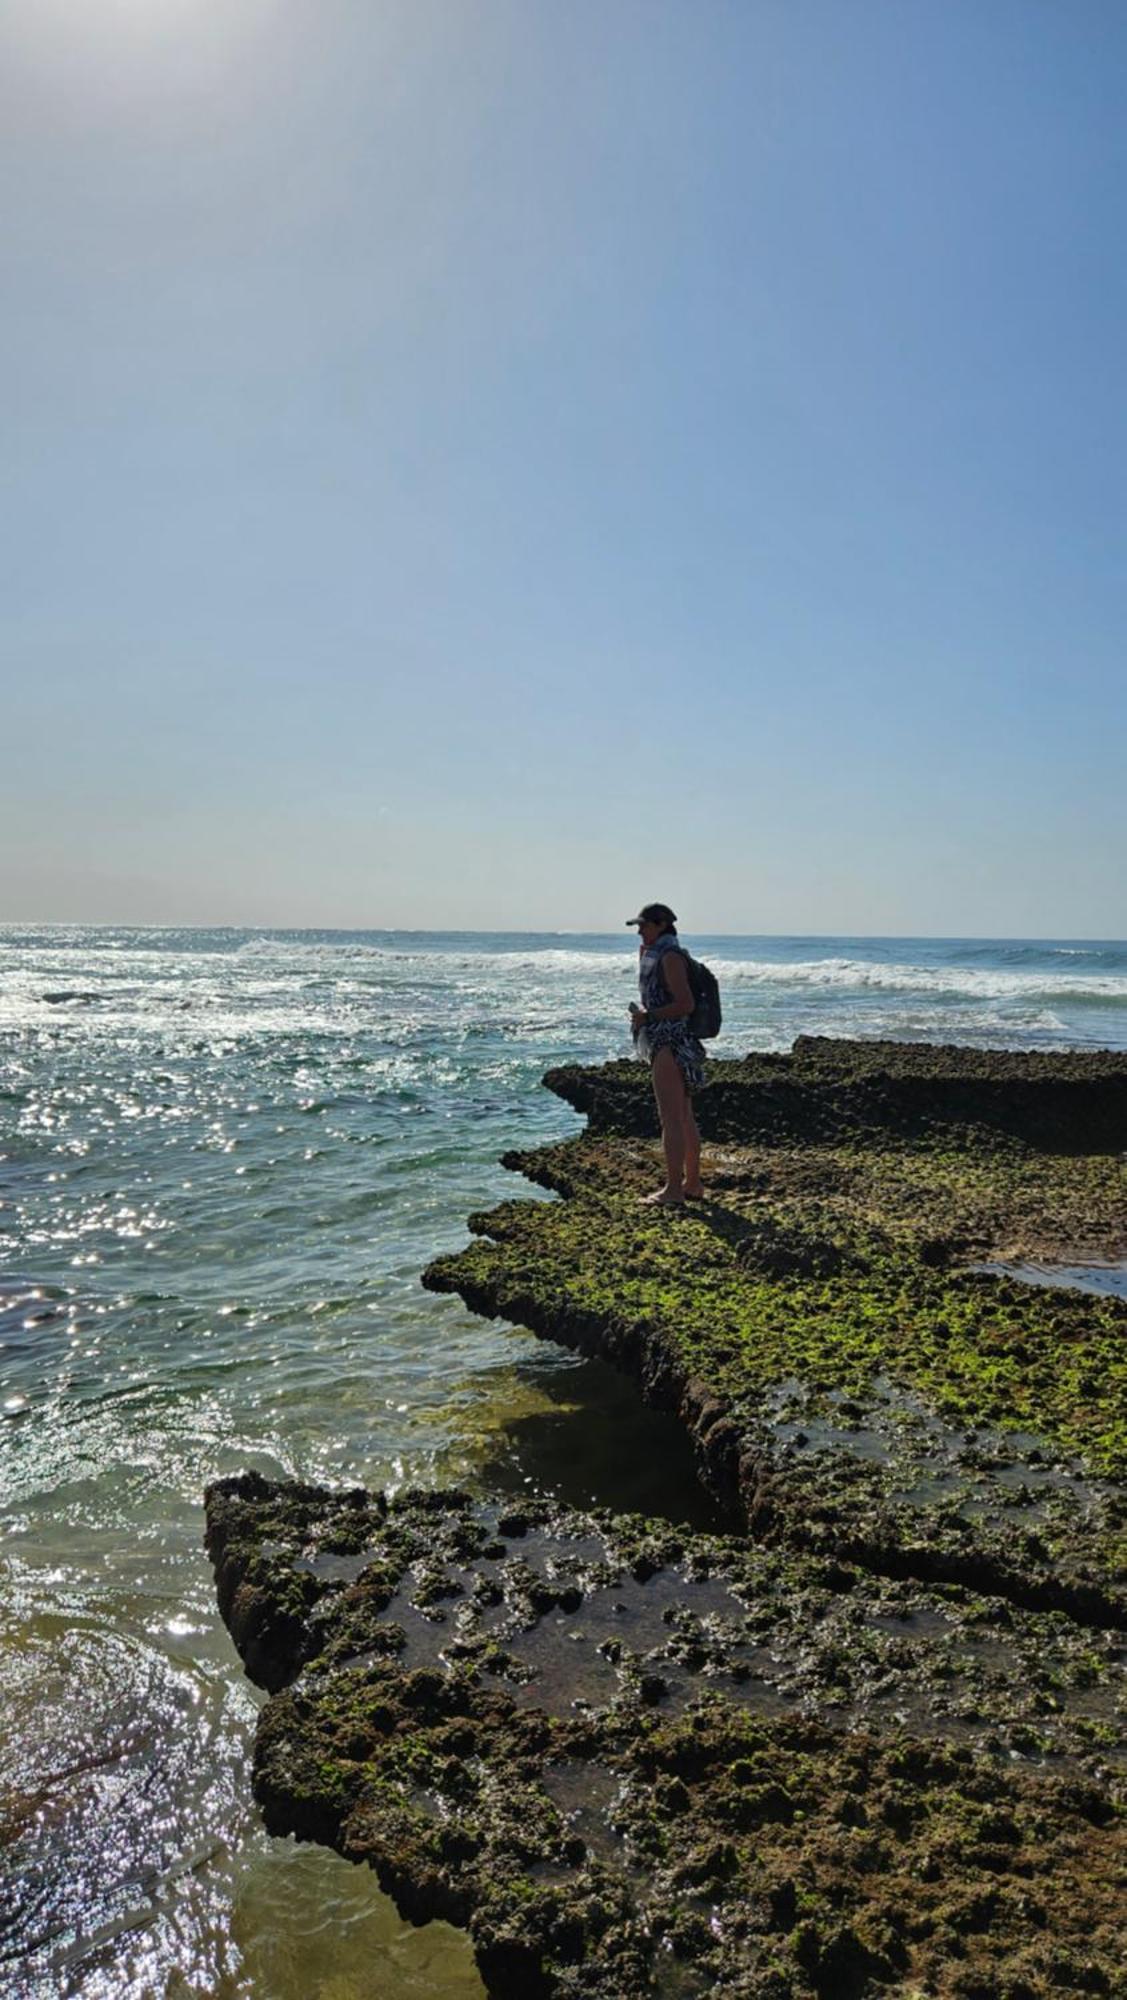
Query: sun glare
<point x="98" y="19"/>
<point x="70" y="28"/>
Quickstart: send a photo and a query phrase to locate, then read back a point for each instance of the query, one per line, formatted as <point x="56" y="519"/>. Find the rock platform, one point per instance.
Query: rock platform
<point x="871" y="1739"/>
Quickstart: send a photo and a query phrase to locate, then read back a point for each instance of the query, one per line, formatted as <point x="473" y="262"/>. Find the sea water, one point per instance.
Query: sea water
<point x="224" y="1158"/>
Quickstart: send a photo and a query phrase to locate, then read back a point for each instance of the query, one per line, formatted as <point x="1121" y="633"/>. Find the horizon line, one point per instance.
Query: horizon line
<point x="419" y="930"/>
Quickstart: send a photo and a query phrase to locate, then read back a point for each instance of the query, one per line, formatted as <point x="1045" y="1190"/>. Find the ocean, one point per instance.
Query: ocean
<point x="224" y="1158"/>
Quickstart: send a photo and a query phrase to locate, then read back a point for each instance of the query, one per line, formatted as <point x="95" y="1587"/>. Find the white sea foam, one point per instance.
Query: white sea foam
<point x="958" y="981"/>
<point x="859" y="974"/>
<point x="978" y="983"/>
<point x="222" y="985"/>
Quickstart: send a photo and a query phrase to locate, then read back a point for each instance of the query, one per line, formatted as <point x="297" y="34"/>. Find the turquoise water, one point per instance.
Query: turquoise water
<point x="224" y="1158"/>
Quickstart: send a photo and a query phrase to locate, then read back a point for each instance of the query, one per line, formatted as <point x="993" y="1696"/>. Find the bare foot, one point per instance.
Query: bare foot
<point x="664" y="1198"/>
<point x="694" y="1193"/>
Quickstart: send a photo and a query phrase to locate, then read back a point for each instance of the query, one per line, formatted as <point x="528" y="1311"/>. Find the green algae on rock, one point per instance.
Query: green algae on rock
<point x="636" y="1761"/>
<point x="849" y="1383"/>
<point x="873" y="1745"/>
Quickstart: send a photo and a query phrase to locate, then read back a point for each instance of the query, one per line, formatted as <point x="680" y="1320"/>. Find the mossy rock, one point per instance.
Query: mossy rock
<point x="851" y="1380"/>
<point x="686" y="1814"/>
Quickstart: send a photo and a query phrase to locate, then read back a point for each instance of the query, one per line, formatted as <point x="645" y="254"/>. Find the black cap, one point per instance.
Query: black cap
<point x="652" y="913"/>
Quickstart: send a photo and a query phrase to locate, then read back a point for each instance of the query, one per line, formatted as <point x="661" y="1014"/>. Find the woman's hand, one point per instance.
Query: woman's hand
<point x="637" y="1014"/>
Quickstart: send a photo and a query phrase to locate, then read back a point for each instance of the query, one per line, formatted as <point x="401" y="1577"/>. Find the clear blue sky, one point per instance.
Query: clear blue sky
<point x="485" y="462"/>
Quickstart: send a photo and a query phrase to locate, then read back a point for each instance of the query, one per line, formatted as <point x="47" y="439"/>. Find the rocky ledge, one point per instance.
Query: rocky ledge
<point x="638" y="1762"/>
<point x="871" y="1740"/>
<point x="847" y="1324"/>
<point x="1075" y="1101"/>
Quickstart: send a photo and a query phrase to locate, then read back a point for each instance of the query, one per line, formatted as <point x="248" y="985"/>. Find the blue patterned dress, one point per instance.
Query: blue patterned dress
<point x="650" y="1036"/>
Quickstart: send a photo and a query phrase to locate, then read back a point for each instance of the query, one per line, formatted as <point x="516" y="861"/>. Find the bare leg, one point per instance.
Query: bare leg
<point x="692" y="1149"/>
<point x="669" y="1090"/>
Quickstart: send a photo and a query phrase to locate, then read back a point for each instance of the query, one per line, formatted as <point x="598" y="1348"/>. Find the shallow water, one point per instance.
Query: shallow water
<point x="224" y="1158"/>
<point x="1103" y="1280"/>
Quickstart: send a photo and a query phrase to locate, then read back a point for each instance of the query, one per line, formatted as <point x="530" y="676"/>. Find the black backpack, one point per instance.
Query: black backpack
<point x="704" y="1021"/>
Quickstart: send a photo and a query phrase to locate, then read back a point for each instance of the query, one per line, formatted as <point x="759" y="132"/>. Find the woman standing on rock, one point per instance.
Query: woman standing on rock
<point x="676" y="1058"/>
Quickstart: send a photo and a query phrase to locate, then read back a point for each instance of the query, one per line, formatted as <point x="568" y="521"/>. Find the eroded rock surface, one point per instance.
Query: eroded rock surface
<point x="872" y="1740"/>
<point x="853" y="1382"/>
<point x="634" y="1761"/>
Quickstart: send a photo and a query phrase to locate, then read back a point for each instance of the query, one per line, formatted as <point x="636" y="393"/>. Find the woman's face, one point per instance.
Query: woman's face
<point x="647" y="933"/>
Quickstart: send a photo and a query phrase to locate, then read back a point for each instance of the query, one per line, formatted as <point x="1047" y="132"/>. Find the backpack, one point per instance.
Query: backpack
<point x="704" y="1021"/>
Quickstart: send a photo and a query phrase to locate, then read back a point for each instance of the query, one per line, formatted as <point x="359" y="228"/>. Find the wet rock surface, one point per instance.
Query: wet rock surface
<point x="633" y="1760"/>
<point x="871" y="1739"/>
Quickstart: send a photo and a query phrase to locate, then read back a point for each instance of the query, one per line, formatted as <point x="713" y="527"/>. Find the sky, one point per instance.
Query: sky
<point x="488" y="463"/>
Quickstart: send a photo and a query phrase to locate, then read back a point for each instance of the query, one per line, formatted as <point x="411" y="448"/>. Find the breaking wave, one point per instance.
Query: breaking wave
<point x="955" y="982"/>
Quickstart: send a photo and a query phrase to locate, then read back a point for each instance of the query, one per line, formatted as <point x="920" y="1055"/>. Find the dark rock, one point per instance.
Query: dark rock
<point x="587" y="1812"/>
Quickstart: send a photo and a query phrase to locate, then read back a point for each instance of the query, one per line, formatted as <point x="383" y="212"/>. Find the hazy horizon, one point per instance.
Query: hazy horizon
<point x="472" y="930"/>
